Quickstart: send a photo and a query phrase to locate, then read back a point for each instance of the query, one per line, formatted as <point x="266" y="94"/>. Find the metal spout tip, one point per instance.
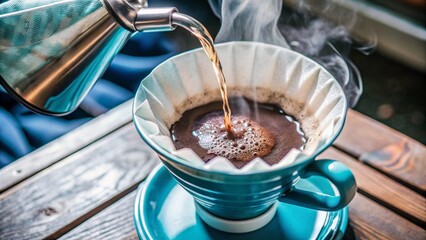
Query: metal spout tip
<point x="134" y="15"/>
<point x="155" y="19"/>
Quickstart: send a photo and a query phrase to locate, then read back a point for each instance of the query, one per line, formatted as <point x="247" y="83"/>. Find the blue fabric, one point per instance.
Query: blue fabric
<point x="139" y="56"/>
<point x="41" y="129"/>
<point x="104" y="96"/>
<point x="13" y="142"/>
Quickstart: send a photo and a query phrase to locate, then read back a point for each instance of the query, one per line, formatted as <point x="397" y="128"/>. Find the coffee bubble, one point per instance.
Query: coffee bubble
<point x="247" y="140"/>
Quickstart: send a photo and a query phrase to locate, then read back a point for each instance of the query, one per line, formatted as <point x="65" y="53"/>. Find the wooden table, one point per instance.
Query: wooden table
<point x="82" y="185"/>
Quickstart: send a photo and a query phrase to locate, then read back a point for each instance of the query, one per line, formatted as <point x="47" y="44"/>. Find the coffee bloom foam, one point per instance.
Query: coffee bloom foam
<point x="247" y="140"/>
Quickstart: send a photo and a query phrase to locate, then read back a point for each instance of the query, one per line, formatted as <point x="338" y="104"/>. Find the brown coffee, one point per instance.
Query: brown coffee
<point x="259" y="130"/>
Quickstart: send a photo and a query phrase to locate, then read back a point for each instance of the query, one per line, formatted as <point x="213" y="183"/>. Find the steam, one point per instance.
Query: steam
<point x="310" y="40"/>
<point x="297" y="29"/>
<point x="250" y="20"/>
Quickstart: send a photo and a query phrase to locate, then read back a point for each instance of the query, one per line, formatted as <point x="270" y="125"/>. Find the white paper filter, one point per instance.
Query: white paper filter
<point x="261" y="72"/>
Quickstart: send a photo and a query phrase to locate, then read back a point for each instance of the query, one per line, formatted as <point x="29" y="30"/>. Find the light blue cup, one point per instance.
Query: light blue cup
<point x="248" y="195"/>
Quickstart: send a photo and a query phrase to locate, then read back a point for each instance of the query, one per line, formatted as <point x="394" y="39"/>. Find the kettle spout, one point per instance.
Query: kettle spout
<point x="134" y="15"/>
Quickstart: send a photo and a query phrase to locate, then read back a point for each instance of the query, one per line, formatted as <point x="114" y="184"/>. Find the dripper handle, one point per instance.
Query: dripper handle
<point x="338" y="174"/>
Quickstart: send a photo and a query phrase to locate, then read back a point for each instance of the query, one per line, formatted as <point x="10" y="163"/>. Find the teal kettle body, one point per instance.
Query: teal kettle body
<point x="53" y="51"/>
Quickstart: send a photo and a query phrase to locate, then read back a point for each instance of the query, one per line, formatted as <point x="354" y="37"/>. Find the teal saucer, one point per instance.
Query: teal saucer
<point x="163" y="210"/>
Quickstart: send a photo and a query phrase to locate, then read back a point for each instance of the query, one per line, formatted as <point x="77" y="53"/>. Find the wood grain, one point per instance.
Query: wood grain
<point x="369" y="220"/>
<point x="64" y="146"/>
<point x="363" y="136"/>
<point x="67" y="193"/>
<point x="382" y="189"/>
<point x="73" y="196"/>
<point x="115" y="222"/>
<point x="401" y="158"/>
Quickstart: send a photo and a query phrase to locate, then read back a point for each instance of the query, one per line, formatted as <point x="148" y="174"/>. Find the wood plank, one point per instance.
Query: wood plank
<point x="69" y="192"/>
<point x="369" y="220"/>
<point x="402" y="159"/>
<point x="363" y="137"/>
<point x="382" y="189"/>
<point x="363" y="134"/>
<point x="115" y="222"/>
<point x="64" y="146"/>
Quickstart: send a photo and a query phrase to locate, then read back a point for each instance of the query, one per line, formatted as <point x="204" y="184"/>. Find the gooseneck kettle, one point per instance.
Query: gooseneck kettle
<point x="53" y="51"/>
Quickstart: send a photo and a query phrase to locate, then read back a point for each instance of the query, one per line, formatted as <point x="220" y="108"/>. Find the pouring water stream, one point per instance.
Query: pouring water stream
<point x="199" y="31"/>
